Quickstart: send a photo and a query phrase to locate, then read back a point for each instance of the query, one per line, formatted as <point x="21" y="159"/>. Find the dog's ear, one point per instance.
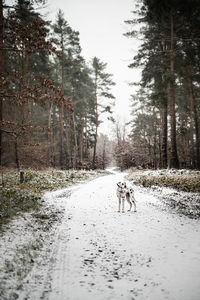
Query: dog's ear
<point x="118" y="184"/>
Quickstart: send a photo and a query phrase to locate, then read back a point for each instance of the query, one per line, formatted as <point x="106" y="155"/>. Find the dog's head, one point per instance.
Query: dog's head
<point x="121" y="185"/>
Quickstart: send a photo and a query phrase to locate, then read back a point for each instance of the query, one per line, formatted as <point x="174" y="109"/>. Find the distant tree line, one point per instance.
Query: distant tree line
<point x="166" y="108"/>
<point x="51" y="99"/>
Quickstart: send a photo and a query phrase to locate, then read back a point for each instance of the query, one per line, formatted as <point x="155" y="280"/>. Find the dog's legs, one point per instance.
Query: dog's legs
<point x="119" y="198"/>
<point x="123" y="200"/>
<point x="133" y="201"/>
<point x="128" y="200"/>
<point x="134" y="206"/>
<point x="130" y="205"/>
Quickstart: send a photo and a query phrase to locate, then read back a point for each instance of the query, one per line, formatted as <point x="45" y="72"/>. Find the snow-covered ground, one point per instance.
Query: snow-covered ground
<point x="171" y="187"/>
<point x="97" y="253"/>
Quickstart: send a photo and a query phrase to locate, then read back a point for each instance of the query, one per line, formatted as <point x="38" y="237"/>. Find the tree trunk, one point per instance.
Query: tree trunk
<point x="174" y="162"/>
<point x="25" y="65"/>
<point x="104" y="155"/>
<point x="118" y="133"/>
<point x="61" y="106"/>
<point x="68" y="149"/>
<point x="193" y="117"/>
<point x="154" y="152"/>
<point x="81" y="142"/>
<point x="61" y="135"/>
<point x="96" y="131"/>
<point x="164" y="134"/>
<point x="53" y="154"/>
<point x="49" y="136"/>
<point x="86" y="139"/>
<point x="1" y="71"/>
<point x="164" y="110"/>
<point x="81" y="147"/>
<point x="75" y="141"/>
<point x="16" y="153"/>
<point x="21" y="177"/>
<point x="196" y="122"/>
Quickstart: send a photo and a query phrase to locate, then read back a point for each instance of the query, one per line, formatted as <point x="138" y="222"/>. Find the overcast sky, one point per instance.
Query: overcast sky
<point x="101" y="26"/>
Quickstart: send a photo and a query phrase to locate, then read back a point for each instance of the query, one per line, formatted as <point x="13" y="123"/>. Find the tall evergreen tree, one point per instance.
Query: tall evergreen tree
<point x="62" y="30"/>
<point x="170" y="28"/>
<point x="102" y="90"/>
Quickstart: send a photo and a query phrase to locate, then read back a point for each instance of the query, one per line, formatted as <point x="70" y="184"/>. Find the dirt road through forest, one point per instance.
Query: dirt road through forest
<point x="99" y="253"/>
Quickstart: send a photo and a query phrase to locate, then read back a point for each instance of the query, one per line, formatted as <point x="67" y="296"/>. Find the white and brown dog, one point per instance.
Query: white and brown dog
<point x="125" y="193"/>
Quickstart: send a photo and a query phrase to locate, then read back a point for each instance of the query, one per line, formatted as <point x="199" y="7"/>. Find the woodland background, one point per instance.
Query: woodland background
<point x="52" y="100"/>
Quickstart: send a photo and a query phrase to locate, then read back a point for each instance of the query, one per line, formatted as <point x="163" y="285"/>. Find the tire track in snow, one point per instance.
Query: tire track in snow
<point x="101" y="254"/>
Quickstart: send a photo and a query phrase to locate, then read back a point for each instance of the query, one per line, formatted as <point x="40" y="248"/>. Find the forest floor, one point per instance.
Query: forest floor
<point x="178" y="189"/>
<point x="16" y="197"/>
<point x="77" y="246"/>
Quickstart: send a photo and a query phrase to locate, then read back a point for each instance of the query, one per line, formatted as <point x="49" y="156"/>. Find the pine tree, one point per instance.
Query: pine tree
<point x="62" y="30"/>
<point x="102" y="87"/>
<point x="169" y="27"/>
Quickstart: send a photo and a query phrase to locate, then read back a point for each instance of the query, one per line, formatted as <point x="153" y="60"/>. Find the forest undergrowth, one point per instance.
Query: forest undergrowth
<point x="16" y="197"/>
<point x="177" y="189"/>
<point x="182" y="180"/>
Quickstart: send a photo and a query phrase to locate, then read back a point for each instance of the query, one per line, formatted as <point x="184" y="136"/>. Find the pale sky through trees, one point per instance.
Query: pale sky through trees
<point x="101" y="26"/>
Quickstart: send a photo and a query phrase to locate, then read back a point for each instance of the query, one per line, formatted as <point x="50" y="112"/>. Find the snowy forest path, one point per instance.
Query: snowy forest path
<point x="102" y="254"/>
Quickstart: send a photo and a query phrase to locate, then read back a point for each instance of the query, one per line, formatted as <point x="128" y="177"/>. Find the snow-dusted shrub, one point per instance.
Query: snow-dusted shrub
<point x="184" y="180"/>
<point x="15" y="197"/>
